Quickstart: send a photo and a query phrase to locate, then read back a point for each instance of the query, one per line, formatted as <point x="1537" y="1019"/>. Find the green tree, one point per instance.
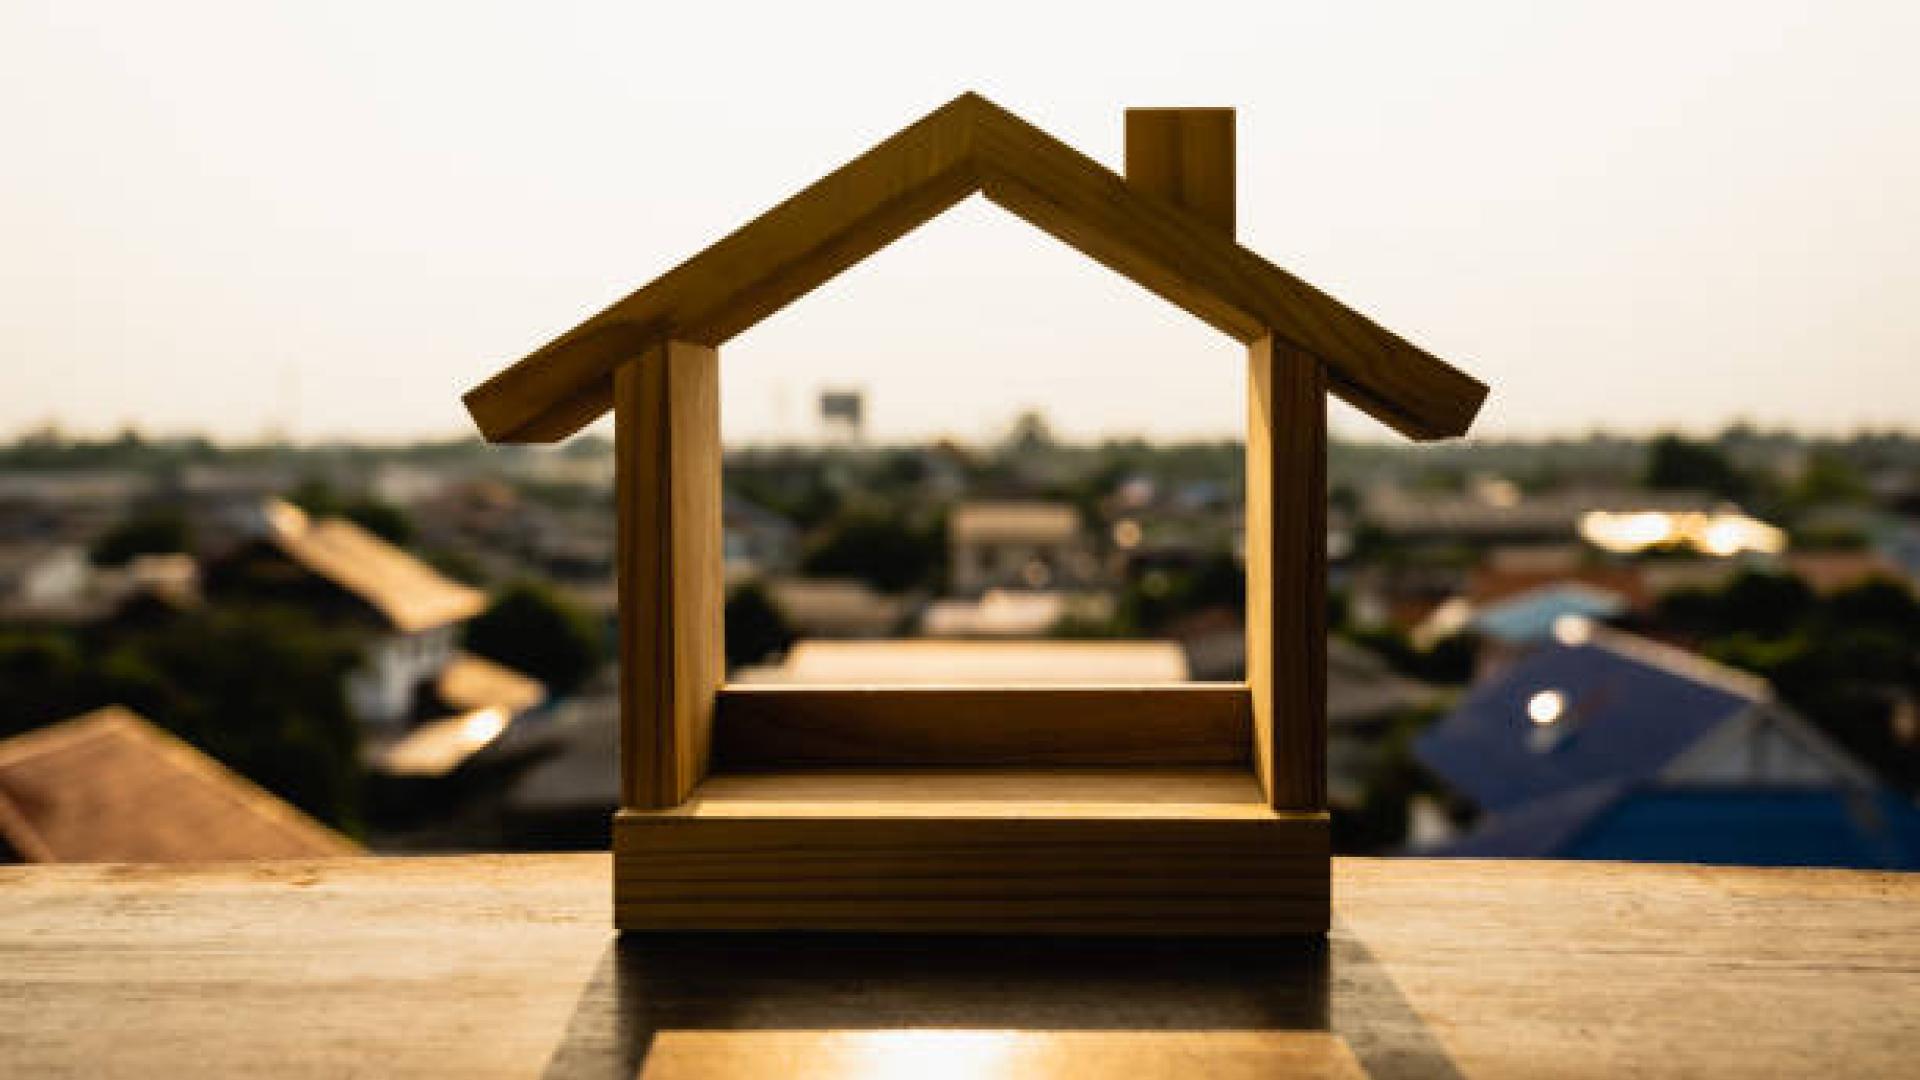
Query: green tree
<point x="1029" y="434"/>
<point x="1878" y="603"/>
<point x="882" y="550"/>
<point x="150" y="532"/>
<point x="383" y="519"/>
<point x="259" y="688"/>
<point x="1163" y="595"/>
<point x="42" y="679"/>
<point x="1675" y="463"/>
<point x="530" y="627"/>
<point x="755" y="628"/>
<point x="318" y="497"/>
<point x="1830" y="478"/>
<point x="1842" y="660"/>
<point x="1753" y="602"/>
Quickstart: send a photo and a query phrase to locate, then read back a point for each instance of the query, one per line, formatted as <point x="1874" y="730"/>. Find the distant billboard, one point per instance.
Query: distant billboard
<point x="843" y="412"/>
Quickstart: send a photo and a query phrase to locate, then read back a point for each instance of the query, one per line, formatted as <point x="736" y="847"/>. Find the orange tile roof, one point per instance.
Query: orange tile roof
<point x="407" y="592"/>
<point x="1831" y="571"/>
<point x="1489" y="585"/>
<point x="111" y="787"/>
<point x="472" y="682"/>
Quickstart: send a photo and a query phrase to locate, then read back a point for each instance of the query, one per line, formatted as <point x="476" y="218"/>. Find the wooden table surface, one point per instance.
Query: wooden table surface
<point x="504" y="966"/>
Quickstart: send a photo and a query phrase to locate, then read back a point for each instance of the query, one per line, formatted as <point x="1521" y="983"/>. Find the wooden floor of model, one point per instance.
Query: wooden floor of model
<point x="1136" y="850"/>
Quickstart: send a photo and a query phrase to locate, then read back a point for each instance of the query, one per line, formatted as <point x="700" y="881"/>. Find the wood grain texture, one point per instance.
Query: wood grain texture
<point x="1122" y="851"/>
<point x="970" y="145"/>
<point x="502" y="966"/>
<point x="759" y="727"/>
<point x="1185" y="156"/>
<point x="667" y="479"/>
<point x="1078" y="792"/>
<point x="1287" y="572"/>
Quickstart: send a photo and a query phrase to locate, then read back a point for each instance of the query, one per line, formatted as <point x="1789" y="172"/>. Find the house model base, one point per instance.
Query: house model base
<point x="1141" y="850"/>
<point x="1191" y="809"/>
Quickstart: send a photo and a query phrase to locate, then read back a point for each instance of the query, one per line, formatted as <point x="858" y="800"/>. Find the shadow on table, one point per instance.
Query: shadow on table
<point x="648" y="985"/>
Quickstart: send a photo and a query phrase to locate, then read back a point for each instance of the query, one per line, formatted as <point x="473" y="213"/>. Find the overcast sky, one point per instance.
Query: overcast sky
<point x="332" y="218"/>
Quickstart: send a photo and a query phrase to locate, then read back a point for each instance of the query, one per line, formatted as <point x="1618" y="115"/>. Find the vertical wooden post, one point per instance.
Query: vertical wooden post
<point x="1287" y="572"/>
<point x="667" y="476"/>
<point x="1184" y="156"/>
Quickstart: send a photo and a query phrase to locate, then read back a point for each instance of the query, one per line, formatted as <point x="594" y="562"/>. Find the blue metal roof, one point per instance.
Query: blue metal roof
<point x="1541" y="829"/>
<point x="1623" y="715"/>
<point x="1831" y="827"/>
<point x="1726" y="826"/>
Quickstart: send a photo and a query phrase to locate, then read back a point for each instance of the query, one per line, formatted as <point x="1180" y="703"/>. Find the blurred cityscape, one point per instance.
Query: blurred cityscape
<point x="1682" y="649"/>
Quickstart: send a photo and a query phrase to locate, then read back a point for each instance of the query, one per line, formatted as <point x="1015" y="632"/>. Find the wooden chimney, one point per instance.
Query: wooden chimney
<point x="1184" y="156"/>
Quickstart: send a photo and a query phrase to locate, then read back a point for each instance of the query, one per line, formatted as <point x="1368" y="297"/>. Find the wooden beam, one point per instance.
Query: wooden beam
<point x="667" y="478"/>
<point x="1185" y="156"/>
<point x="1287" y="572"/>
<point x="761" y="727"/>
<point x="903" y="182"/>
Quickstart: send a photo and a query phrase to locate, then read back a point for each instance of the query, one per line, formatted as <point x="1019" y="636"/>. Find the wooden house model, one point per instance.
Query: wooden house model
<point x="1170" y="809"/>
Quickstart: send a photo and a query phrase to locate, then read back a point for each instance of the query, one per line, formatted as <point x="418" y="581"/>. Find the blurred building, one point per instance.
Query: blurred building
<point x="39" y="581"/>
<point x="470" y="704"/>
<point x="1514" y="625"/>
<point x="1013" y="613"/>
<point x="837" y="608"/>
<point x="755" y="541"/>
<point x="1365" y="698"/>
<point x="411" y="613"/>
<point x="1017" y="545"/>
<point x="1601" y="728"/>
<point x="1602" y="705"/>
<point x="111" y="787"/>
<point x="1501" y="514"/>
<point x="56" y="585"/>
<point x="67" y="505"/>
<point x="1735" y="826"/>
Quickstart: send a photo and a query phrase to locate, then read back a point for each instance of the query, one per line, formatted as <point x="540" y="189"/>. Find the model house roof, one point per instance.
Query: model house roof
<point x="408" y="593"/>
<point x="1613" y="707"/>
<point x="971" y="145"/>
<point x="111" y="787"/>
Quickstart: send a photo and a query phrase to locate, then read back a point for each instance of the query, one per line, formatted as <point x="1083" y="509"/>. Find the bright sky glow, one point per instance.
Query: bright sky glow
<point x="333" y="218"/>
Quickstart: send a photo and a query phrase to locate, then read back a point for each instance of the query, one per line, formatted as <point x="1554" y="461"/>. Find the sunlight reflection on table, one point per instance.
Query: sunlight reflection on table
<point x="922" y="1054"/>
